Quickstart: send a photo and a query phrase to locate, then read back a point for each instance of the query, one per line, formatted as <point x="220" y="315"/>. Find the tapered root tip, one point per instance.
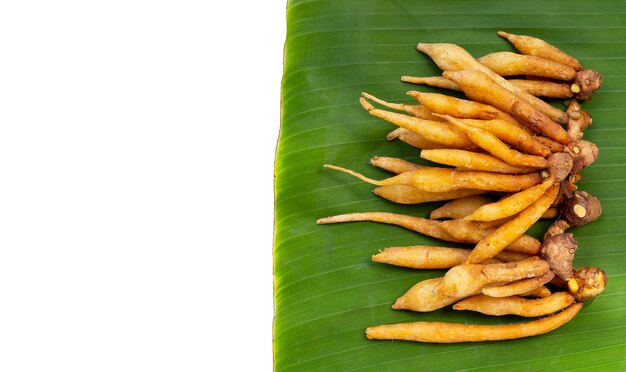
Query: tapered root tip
<point x="377" y="333"/>
<point x="350" y="217"/>
<point x="503" y="34"/>
<point x="323" y="221"/>
<point x="334" y="167"/>
<point x="379" y="257"/>
<point x="365" y="104"/>
<point x="338" y="218"/>
<point x="414" y="94"/>
<point x="393" y="135"/>
<point x="422" y="47"/>
<point x="354" y="174"/>
<point x="399" y="304"/>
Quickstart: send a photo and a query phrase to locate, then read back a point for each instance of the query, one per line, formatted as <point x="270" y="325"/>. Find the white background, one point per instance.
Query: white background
<point x="135" y="234"/>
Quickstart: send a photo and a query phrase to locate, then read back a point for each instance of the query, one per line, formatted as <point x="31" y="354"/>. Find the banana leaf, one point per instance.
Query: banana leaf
<point x="327" y="290"/>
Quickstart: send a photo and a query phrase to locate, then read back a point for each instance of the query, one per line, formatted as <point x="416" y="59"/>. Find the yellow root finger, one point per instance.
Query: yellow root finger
<point x="394" y="165"/>
<point x="423" y="226"/>
<point x="451" y="57"/>
<point x="422" y="256"/>
<point x="492" y="144"/>
<point x="469" y="232"/>
<point x="446" y="179"/>
<point x="418" y="111"/>
<point x="469" y="160"/>
<point x="510" y="205"/>
<point x="414" y="139"/>
<point x="482" y="88"/>
<point x="510" y="64"/>
<point x="551" y="213"/>
<point x="536" y="47"/>
<point x="538" y="88"/>
<point x="462" y="108"/>
<point x="434" y="257"/>
<point x="424" y="296"/>
<point x="515" y="305"/>
<point x="457" y="332"/>
<point x="519" y="287"/>
<point x="510" y="134"/>
<point x="464" y="280"/>
<point x="460" y="207"/>
<point x="404" y="194"/>
<point x="541" y="88"/>
<point x="512" y="230"/>
<point x="431" y="130"/>
<point x="433" y="81"/>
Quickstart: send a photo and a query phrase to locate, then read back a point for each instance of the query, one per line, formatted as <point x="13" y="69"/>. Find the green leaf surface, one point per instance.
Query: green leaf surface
<point x="327" y="290"/>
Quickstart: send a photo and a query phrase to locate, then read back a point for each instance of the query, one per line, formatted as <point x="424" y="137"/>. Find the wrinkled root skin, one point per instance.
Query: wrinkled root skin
<point x="578" y="121"/>
<point x="558" y="251"/>
<point x="560" y="165"/>
<point x="587" y="81"/>
<point x="584" y="154"/>
<point x="558" y="227"/>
